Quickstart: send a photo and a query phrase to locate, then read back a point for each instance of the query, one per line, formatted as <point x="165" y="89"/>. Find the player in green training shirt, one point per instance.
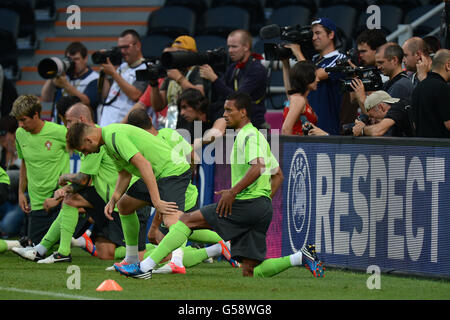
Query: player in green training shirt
<point x="137" y="152"/>
<point x="42" y="147"/>
<point x="244" y="211"/>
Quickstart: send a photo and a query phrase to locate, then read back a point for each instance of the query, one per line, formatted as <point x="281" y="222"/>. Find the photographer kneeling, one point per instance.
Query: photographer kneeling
<point x="389" y="114"/>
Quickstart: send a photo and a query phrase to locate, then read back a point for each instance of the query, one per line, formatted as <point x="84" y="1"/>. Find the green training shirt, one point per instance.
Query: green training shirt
<point x="4" y="178"/>
<point x="249" y="145"/>
<point x="46" y="159"/>
<point x="178" y="144"/>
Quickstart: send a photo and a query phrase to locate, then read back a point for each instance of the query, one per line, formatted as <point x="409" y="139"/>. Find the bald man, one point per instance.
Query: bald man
<point x="416" y="59"/>
<point x="430" y="99"/>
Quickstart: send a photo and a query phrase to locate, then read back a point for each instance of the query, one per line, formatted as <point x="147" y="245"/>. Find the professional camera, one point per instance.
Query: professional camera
<point x="114" y="55"/>
<point x="347" y="129"/>
<point x="153" y="72"/>
<point x="370" y="76"/>
<point x="53" y="67"/>
<point x="301" y="35"/>
<point x="216" y="58"/>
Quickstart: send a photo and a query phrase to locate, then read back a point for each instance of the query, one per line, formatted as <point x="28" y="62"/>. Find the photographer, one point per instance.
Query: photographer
<point x="327" y="99"/>
<point x="245" y="74"/>
<point x="80" y="82"/>
<point x="416" y="59"/>
<point x="125" y="90"/>
<point x="389" y="114"/>
<point x="299" y="81"/>
<point x="177" y="80"/>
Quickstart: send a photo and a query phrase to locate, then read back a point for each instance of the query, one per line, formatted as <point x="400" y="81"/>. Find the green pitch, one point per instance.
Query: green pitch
<point x="22" y="280"/>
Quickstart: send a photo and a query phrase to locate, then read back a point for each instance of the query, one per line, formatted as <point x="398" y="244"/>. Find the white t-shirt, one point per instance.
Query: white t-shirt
<point x="119" y="108"/>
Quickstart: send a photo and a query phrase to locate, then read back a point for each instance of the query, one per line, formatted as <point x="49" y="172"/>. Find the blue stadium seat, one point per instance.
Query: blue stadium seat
<point x="153" y="45"/>
<point x="275" y="100"/>
<point x="198" y="6"/>
<point x="217" y="21"/>
<point x="172" y="21"/>
<point x="344" y="17"/>
<point x="359" y="5"/>
<point x="310" y="4"/>
<point x="27" y="22"/>
<point x="391" y="17"/>
<point x="210" y="42"/>
<point x="255" y="9"/>
<point x="290" y="16"/>
<point x="400" y="3"/>
<point x="427" y="26"/>
<point x="9" y="30"/>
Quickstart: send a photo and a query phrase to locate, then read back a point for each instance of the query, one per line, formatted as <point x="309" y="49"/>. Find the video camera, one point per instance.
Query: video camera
<point x="114" y="55"/>
<point x="153" y="72"/>
<point x="216" y="58"/>
<point x="53" y="67"/>
<point x="370" y="76"/>
<point x="347" y="129"/>
<point x="301" y="35"/>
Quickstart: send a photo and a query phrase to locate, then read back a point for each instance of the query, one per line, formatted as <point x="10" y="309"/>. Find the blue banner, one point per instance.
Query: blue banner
<point x="368" y="204"/>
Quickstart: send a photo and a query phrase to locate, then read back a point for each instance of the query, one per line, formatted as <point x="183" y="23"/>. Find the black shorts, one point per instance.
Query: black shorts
<point x="246" y="227"/>
<point x="112" y="230"/>
<point x="171" y="189"/>
<point x="39" y="221"/>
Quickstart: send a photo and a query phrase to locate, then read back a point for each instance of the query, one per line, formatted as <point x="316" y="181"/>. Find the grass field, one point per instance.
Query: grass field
<point x="26" y="280"/>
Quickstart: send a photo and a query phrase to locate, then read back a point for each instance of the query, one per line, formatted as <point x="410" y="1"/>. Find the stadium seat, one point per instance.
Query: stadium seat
<point x="391" y="17"/>
<point x="400" y="3"/>
<point x="210" y="42"/>
<point x="359" y="5"/>
<point x="344" y="17"/>
<point x="310" y="4"/>
<point x="172" y="21"/>
<point x="427" y="26"/>
<point x="153" y="45"/>
<point x="9" y="30"/>
<point x="46" y="4"/>
<point x="255" y="8"/>
<point x="275" y="100"/>
<point x="290" y="16"/>
<point x="217" y="21"/>
<point x="198" y="6"/>
<point x="27" y="21"/>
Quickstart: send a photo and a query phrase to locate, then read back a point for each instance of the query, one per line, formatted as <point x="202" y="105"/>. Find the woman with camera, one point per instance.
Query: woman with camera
<point x="298" y="81"/>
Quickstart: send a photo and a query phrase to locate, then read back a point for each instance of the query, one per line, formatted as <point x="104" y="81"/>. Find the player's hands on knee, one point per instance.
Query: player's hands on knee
<point x="225" y="203"/>
<point x="164" y="207"/>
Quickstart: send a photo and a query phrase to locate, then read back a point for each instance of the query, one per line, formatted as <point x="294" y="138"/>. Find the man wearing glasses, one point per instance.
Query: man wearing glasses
<point x="125" y="90"/>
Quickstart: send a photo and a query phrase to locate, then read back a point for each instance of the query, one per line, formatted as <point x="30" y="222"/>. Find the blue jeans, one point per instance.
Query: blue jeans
<point x="11" y="218"/>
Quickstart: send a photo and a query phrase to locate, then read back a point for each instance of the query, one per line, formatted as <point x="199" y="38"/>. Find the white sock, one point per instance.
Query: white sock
<point x="41" y="249"/>
<point x="12" y="244"/>
<point x="132" y="254"/>
<point x="78" y="242"/>
<point x="147" y="264"/>
<point x="296" y="258"/>
<point x="177" y="257"/>
<point x="214" y="251"/>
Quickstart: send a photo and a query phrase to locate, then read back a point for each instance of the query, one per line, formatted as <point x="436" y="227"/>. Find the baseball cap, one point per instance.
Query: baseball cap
<point x="185" y="42"/>
<point x="378" y="97"/>
<point x="327" y="23"/>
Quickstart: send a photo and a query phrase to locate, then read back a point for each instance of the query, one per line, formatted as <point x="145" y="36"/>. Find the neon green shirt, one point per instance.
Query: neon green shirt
<point x="249" y="145"/>
<point x="4" y="178"/>
<point x="178" y="143"/>
<point x="46" y="159"/>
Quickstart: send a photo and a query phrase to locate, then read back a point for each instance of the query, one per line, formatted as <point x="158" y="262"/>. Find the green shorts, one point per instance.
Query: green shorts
<point x="246" y="227"/>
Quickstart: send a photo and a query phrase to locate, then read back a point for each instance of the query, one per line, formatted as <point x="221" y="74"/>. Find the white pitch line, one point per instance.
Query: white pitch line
<point x="48" y="293"/>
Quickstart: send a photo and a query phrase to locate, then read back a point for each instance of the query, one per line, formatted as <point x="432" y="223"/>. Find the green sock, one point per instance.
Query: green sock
<point x="53" y="233"/>
<point x="177" y="235"/>
<point x="69" y="220"/>
<point x="119" y="252"/>
<point x="270" y="267"/>
<point x="130" y="227"/>
<point x="193" y="256"/>
<point x="204" y="236"/>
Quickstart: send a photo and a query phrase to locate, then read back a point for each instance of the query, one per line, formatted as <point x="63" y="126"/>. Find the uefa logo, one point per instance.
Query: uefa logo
<point x="299" y="200"/>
